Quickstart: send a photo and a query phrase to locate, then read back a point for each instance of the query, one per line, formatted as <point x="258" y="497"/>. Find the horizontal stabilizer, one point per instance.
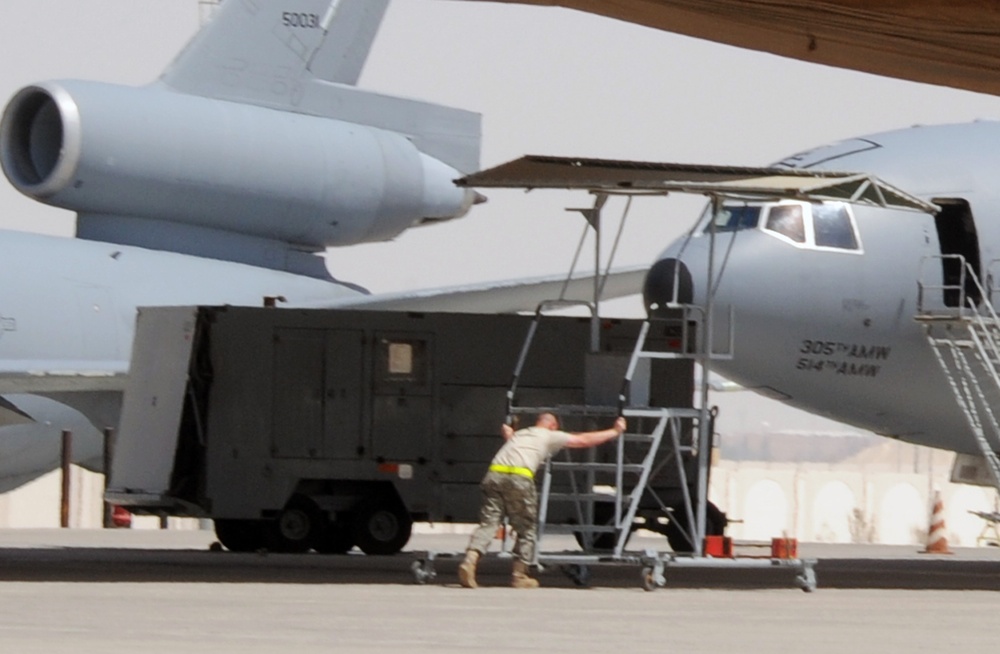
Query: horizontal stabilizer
<point x="509" y="296"/>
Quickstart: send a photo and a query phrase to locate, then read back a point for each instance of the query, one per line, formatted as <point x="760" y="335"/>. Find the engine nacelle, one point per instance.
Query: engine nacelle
<point x="154" y="153"/>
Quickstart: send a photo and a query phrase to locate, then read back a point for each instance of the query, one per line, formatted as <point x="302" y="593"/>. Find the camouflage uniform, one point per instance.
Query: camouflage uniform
<point x="513" y="496"/>
<point x="509" y="489"/>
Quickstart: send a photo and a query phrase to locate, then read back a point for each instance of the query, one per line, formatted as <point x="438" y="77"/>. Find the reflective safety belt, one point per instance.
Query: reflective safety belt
<point x="512" y="470"/>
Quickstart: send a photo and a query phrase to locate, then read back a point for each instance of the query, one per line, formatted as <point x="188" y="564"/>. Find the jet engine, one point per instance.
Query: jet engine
<point x="153" y="153"/>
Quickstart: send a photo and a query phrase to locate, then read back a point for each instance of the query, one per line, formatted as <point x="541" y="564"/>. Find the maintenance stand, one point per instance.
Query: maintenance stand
<point x="610" y="499"/>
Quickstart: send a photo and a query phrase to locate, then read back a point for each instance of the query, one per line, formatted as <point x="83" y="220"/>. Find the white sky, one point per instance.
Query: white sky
<point x="548" y="81"/>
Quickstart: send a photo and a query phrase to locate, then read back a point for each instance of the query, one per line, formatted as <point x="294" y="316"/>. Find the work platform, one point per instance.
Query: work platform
<point x="610" y="498"/>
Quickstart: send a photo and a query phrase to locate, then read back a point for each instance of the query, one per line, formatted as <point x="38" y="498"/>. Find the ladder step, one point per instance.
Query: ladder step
<point x="564" y="410"/>
<point x="586" y="497"/>
<point x="580" y="529"/>
<point x="639" y="412"/>
<point x="637" y="438"/>
<point x="952" y="341"/>
<point x="596" y="467"/>
<point x="662" y="355"/>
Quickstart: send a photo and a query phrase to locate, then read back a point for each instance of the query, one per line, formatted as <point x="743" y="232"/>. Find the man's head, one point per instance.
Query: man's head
<point x="547" y="421"/>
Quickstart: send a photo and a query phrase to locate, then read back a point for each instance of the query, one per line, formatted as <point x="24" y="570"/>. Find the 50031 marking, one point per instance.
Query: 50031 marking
<point x="296" y="19"/>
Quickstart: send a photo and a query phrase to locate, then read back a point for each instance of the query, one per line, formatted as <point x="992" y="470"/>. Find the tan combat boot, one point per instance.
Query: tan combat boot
<point x="520" y="578"/>
<point x="467" y="569"/>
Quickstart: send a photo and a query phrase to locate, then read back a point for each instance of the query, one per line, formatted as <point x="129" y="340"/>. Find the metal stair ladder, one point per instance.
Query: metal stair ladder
<point x="965" y="339"/>
<point x="605" y="517"/>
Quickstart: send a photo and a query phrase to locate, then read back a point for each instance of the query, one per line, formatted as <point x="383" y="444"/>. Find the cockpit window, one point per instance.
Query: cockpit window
<point x="786" y="219"/>
<point x="832" y="226"/>
<point x="809" y="225"/>
<point x="734" y="217"/>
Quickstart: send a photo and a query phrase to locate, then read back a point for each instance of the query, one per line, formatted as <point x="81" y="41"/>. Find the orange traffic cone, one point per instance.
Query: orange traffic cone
<point x="937" y="540"/>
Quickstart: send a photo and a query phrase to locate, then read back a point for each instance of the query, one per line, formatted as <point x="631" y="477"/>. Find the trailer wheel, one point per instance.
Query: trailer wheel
<point x="241" y="535"/>
<point x="715" y="525"/>
<point x="381" y="525"/>
<point x="296" y="527"/>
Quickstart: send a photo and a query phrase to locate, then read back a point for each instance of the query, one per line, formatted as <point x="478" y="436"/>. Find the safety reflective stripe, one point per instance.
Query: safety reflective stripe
<point x="512" y="470"/>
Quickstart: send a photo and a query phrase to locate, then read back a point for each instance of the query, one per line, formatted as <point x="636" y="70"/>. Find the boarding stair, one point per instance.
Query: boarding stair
<point x="963" y="330"/>
<point x="604" y="493"/>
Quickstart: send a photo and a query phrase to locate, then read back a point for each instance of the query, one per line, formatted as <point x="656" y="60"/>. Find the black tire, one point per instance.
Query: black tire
<point x="296" y="528"/>
<point x="336" y="537"/>
<point x="241" y="535"/>
<point x="715" y="525"/>
<point x="381" y="525"/>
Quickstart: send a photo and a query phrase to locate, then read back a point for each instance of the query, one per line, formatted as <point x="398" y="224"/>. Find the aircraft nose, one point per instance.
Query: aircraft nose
<point x="667" y="282"/>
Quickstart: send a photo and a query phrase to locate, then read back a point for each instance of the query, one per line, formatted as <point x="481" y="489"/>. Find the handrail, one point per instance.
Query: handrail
<point x="965" y="269"/>
<point x="991" y="278"/>
<point x="543" y="306"/>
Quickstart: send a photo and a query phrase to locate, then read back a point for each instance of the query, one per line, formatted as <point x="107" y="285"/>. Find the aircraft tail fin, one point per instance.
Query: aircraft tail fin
<point x="305" y="57"/>
<point x="262" y="52"/>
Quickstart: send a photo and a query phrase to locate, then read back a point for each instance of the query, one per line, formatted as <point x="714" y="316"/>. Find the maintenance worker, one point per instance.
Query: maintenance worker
<point x="509" y="490"/>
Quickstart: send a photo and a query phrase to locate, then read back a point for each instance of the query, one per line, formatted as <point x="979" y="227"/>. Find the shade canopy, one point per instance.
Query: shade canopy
<point x="946" y="42"/>
<point x="611" y="176"/>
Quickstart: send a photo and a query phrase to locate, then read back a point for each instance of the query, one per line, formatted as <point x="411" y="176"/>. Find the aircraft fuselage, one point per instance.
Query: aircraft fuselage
<point x="825" y="296"/>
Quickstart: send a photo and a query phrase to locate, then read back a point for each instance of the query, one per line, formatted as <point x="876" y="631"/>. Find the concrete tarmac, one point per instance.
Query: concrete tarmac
<point x="150" y="592"/>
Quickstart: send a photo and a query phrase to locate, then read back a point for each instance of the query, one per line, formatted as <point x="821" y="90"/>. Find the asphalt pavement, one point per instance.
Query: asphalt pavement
<point x="150" y="592"/>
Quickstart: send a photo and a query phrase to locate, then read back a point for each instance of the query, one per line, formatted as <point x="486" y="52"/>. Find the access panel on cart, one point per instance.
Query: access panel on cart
<point x="317" y="393"/>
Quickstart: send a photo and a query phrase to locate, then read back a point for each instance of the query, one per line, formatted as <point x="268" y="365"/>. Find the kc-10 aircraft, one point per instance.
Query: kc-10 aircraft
<point x="826" y="295"/>
<point x="221" y="183"/>
<point x="856" y="280"/>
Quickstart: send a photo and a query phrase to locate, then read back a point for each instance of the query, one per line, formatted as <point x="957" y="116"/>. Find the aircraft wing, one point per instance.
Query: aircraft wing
<point x="62" y="376"/>
<point x="949" y="43"/>
<point x="504" y="296"/>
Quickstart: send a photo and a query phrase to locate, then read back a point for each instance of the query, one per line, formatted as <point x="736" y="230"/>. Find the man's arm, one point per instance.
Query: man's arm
<point x="507" y="431"/>
<point x="594" y="438"/>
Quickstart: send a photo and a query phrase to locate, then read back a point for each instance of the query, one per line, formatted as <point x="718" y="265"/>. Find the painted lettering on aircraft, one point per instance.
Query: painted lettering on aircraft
<point x="848" y="368"/>
<point x="848" y="359"/>
<point x="848" y="350"/>
<point x="296" y="19"/>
